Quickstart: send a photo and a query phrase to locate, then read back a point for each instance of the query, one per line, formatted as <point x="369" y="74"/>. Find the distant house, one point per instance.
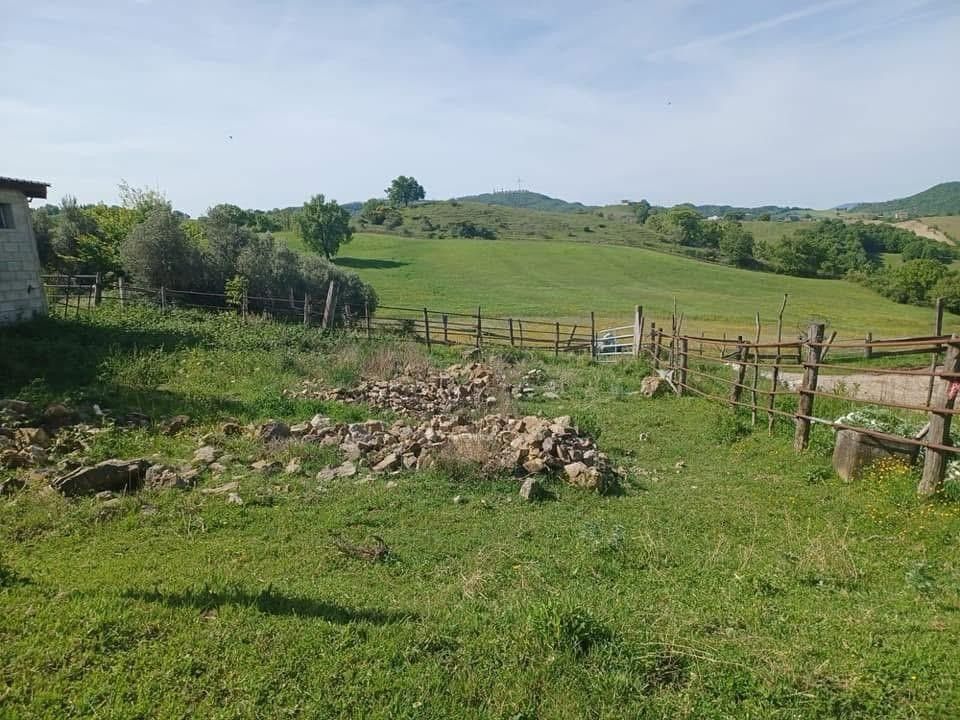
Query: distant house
<point x="21" y="290"/>
<point x="901" y="215"/>
<point x="714" y="218"/>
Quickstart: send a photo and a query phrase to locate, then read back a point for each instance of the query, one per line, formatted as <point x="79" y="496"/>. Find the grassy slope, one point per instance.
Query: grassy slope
<point x="568" y="280"/>
<point x="746" y="585"/>
<point x="523" y="224"/>
<point x="773" y="232"/>
<point x="949" y="224"/>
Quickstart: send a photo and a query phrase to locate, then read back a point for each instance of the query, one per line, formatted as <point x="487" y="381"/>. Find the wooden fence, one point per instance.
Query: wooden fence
<point x="70" y="295"/>
<point x="750" y="374"/>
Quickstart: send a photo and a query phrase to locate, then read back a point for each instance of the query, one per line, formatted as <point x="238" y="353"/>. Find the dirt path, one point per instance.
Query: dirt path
<point x="910" y="389"/>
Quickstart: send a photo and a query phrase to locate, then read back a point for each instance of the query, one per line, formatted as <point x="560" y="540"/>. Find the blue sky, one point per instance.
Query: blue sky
<point x="745" y="103"/>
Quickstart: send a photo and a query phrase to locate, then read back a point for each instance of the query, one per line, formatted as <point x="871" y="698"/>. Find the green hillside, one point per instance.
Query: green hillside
<point x="525" y="199"/>
<point x="942" y="199"/>
<point x="568" y="280"/>
<point x="447" y="219"/>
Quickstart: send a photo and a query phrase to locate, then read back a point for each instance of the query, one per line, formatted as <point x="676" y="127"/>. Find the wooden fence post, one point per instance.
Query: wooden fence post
<point x="811" y="351"/>
<point x="556" y="341"/>
<point x="593" y="336"/>
<point x="867" y="347"/>
<point x="245" y="304"/>
<point x="97" y="290"/>
<point x="739" y="373"/>
<point x="328" y="307"/>
<point x="366" y="313"/>
<point x="657" y="348"/>
<point x="520" y="328"/>
<point x="479" y="328"/>
<point x="446" y="340"/>
<point x="122" y="291"/>
<point x="163" y="298"/>
<point x="935" y="358"/>
<point x="684" y="359"/>
<point x="510" y="321"/>
<point x="637" y="330"/>
<point x="426" y="327"/>
<point x="945" y="396"/>
<point x="306" y="309"/>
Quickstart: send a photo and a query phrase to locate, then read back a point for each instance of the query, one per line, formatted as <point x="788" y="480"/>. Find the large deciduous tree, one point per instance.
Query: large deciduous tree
<point x="324" y="226"/>
<point x="405" y="190"/>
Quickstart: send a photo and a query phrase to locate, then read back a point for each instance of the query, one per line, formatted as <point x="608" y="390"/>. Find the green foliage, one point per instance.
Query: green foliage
<point x="157" y="253"/>
<point x="831" y="249"/>
<point x="642" y="211"/>
<point x="404" y="190"/>
<point x="380" y="212"/>
<point x="324" y="226"/>
<point x="566" y="628"/>
<point x="736" y="243"/>
<point x="912" y="282"/>
<point x="924" y="249"/>
<point x="236" y="290"/>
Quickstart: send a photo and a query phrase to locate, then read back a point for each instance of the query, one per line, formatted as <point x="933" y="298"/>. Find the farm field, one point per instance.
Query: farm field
<point x="567" y="280"/>
<point x="728" y="580"/>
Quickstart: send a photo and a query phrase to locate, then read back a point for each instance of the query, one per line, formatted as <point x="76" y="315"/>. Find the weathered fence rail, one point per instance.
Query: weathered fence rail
<point x="750" y="374"/>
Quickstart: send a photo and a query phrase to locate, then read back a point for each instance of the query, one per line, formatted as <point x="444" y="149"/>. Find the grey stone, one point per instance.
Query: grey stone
<point x="855" y="452"/>
<point x="206" y="455"/>
<point x="273" y="431"/>
<point x="532" y="490"/>
<point x="116" y="475"/>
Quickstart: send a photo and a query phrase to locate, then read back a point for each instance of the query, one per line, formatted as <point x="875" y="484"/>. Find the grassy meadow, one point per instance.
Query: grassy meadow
<point x="729" y="580"/>
<point x="568" y="280"/>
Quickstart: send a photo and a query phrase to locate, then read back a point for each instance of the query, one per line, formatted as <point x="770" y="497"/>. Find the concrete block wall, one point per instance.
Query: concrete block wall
<point x="21" y="290"/>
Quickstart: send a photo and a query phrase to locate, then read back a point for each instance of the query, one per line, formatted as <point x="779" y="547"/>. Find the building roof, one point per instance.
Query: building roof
<point x="30" y="188"/>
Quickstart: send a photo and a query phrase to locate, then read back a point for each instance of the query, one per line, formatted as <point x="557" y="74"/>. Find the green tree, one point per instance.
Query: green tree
<point x="923" y="249"/>
<point x="379" y="212"/>
<point x="642" y="211"/>
<point x="948" y="288"/>
<point x="687" y="225"/>
<point x="736" y="243"/>
<point x="405" y="190"/>
<point x="324" y="226"/>
<point x="158" y="253"/>
<point x="912" y="282"/>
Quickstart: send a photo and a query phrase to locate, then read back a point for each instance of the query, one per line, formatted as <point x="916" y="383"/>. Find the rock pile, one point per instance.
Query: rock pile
<point x="524" y="446"/>
<point x="458" y="387"/>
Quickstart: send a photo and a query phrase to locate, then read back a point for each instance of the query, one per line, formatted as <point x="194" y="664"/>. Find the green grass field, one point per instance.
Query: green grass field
<point x="731" y="579"/>
<point x="568" y="280"/>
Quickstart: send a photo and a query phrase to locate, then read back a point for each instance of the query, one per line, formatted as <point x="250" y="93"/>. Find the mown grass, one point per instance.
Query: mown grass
<point x="730" y="579"/>
<point x="567" y="280"/>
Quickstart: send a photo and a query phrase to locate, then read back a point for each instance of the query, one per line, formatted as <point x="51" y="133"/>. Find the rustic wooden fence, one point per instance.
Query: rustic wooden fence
<point x="70" y="295"/>
<point x="750" y="373"/>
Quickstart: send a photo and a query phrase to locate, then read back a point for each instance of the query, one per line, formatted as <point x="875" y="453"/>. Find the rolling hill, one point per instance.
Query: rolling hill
<point x="942" y="199"/>
<point x="526" y="199"/>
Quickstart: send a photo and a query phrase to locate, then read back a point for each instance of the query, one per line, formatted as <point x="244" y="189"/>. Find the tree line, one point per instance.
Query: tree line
<point x="145" y="240"/>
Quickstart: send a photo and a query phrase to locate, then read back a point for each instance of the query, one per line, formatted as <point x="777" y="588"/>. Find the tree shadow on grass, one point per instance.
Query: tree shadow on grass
<point x="369" y="263"/>
<point x="271" y="602"/>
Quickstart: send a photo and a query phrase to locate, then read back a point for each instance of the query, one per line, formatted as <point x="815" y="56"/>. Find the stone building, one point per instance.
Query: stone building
<point x="21" y="290"/>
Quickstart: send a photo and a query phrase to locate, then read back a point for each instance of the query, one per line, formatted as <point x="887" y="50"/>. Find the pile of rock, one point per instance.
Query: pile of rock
<point x="524" y="446"/>
<point x="458" y="387"/>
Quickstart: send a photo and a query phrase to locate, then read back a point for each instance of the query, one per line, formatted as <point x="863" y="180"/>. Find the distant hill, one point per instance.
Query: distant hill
<point x="942" y="199"/>
<point x="526" y="199"/>
<point x="776" y="212"/>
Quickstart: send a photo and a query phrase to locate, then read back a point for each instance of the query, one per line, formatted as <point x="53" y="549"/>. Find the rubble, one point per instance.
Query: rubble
<point x="458" y="387"/>
<point x="500" y="443"/>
